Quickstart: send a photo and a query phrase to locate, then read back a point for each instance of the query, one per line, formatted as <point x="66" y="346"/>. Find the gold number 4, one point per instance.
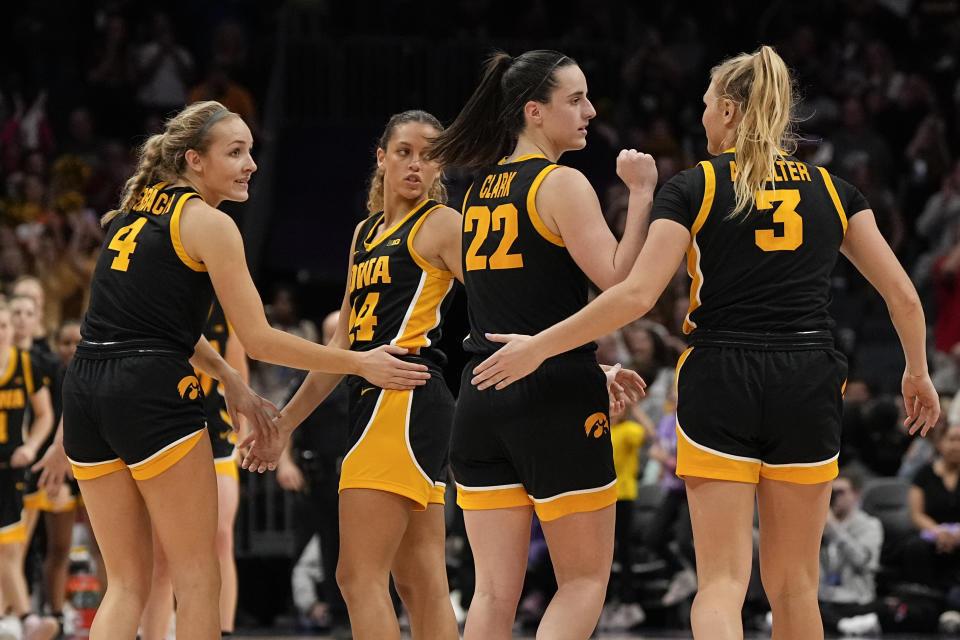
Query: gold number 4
<point x="503" y="218"/>
<point x="785" y="214"/>
<point x="362" y="323"/>
<point x="124" y="243"/>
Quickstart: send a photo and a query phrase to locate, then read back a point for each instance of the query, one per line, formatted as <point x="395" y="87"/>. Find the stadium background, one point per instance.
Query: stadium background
<point x="879" y="82"/>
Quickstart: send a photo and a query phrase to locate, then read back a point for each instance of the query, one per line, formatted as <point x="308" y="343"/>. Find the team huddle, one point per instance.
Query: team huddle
<point x="156" y="387"/>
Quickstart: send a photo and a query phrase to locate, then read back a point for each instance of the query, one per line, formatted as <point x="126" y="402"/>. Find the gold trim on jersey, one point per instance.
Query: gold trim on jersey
<point x="175" y="234"/>
<point x="693" y="250"/>
<point x="832" y="190"/>
<point x="422" y="262"/>
<point x="535" y="219"/>
<point x="12" y="359"/>
<point x="526" y="156"/>
<point x="423" y="314"/>
<point x="371" y="244"/>
<point x="27" y="372"/>
<point x="463" y="207"/>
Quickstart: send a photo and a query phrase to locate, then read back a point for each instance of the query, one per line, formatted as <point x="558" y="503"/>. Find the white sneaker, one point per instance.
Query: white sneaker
<point x="768" y="622"/>
<point x="37" y="628"/>
<point x="625" y="617"/>
<point x="458" y="611"/>
<point x="683" y="585"/>
<point x="950" y="622"/>
<point x="867" y="623"/>
<point x="10" y="628"/>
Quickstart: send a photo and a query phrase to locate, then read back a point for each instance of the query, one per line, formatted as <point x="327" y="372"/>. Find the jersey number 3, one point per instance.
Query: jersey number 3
<point x="124" y="243"/>
<point x="503" y="218"/>
<point x="785" y="214"/>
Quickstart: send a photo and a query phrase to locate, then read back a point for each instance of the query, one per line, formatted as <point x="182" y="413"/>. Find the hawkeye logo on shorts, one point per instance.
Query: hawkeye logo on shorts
<point x="189" y="387"/>
<point x="596" y="425"/>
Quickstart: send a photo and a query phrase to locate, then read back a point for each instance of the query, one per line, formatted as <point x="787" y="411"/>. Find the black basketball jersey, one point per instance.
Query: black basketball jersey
<point x="769" y="270"/>
<point x="17" y="384"/>
<point x="146" y="288"/>
<point x="396" y="296"/>
<point x="217" y="331"/>
<point x="519" y="276"/>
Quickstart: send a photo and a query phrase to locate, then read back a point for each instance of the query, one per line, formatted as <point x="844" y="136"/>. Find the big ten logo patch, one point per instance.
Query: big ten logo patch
<point x="596" y="425"/>
<point x="189" y="387"/>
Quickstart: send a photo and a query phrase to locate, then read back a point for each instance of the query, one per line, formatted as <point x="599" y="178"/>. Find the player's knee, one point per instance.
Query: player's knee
<point x="782" y="586"/>
<point x="353" y="581"/>
<point x="58" y="551"/>
<point x="198" y="577"/>
<point x="499" y="595"/>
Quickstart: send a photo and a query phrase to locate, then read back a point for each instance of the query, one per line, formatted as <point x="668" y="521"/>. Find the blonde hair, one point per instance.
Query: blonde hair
<point x="437" y="191"/>
<point x="162" y="158"/>
<point x="760" y="84"/>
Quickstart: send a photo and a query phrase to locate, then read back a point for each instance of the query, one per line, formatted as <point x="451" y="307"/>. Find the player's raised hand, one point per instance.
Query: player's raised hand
<point x="637" y="170"/>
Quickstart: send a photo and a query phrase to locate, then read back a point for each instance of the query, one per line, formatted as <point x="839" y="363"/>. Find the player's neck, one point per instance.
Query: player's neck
<point x="4" y="358"/>
<point x="531" y="144"/>
<point x="395" y="208"/>
<point x="24" y="344"/>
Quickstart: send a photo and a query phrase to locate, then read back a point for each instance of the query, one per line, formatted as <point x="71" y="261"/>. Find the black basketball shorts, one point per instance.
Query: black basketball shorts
<point x="142" y="412"/>
<point x="754" y="407"/>
<point x="543" y="441"/>
<point x="399" y="440"/>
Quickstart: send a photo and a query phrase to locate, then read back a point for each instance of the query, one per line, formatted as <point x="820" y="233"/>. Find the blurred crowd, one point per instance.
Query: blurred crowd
<point x="879" y="84"/>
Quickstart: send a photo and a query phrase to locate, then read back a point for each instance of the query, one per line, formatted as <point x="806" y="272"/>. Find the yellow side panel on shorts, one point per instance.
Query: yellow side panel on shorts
<point x="382" y="459"/>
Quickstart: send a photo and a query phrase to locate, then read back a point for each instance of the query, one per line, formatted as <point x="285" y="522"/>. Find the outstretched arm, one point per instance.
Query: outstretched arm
<point x="612" y="309"/>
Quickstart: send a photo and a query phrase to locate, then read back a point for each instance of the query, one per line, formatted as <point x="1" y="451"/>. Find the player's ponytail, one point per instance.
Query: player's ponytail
<point x="760" y="85"/>
<point x="437" y="191"/>
<point x="163" y="156"/>
<point x="488" y="125"/>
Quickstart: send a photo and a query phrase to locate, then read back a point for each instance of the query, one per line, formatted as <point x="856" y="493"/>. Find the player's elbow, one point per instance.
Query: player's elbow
<point x="904" y="299"/>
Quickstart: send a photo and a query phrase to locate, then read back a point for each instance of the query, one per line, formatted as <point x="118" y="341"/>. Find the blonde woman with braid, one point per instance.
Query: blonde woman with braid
<point x="134" y="422"/>
<point x="759" y="390"/>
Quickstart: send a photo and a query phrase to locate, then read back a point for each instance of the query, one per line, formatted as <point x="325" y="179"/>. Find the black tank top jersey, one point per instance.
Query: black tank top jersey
<point x="17" y="383"/>
<point x="146" y="289"/>
<point x="768" y="271"/>
<point x="519" y="276"/>
<point x="396" y="296"/>
<point x="217" y="331"/>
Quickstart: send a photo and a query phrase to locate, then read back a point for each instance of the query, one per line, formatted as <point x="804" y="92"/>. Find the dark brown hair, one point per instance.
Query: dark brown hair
<point x="490" y="122"/>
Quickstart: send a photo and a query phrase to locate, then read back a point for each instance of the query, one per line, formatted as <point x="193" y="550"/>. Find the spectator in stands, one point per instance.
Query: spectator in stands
<point x="670" y="534"/>
<point x="932" y="556"/>
<point x="626" y="436"/>
<point x="849" y="559"/>
<point x="310" y="466"/>
<point x="164" y="68"/>
<point x="273" y="381"/>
